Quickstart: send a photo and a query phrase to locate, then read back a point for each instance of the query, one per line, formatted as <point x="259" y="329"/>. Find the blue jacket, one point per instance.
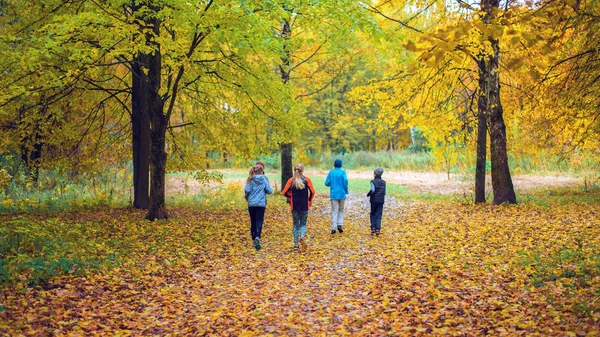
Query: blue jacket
<point x="256" y="191"/>
<point x="338" y="184"/>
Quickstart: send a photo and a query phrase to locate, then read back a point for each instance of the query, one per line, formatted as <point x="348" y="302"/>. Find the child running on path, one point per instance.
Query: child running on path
<point x="377" y="198"/>
<point x="299" y="189"/>
<point x="256" y="190"/>
<point x="337" y="181"/>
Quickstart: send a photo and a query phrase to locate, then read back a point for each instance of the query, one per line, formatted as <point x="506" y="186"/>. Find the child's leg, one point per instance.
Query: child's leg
<point x="296" y="225"/>
<point x="303" y="216"/>
<point x="340" y="216"/>
<point x="260" y="219"/>
<point x="372" y="217"/>
<point x="335" y="208"/>
<point x="378" y="216"/>
<point x="252" y="212"/>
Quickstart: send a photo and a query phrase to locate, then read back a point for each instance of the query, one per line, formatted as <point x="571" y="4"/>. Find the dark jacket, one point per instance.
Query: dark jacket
<point x="377" y="196"/>
<point x="300" y="200"/>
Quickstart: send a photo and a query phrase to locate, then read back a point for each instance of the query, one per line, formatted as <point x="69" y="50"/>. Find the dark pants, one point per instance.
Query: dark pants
<point x="376" y="214"/>
<point x="257" y="217"/>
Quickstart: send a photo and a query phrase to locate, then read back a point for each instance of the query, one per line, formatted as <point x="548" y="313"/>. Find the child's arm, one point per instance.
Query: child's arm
<point x="268" y="188"/>
<point x="372" y="190"/>
<point x="286" y="189"/>
<point x="311" y="190"/>
<point x="345" y="182"/>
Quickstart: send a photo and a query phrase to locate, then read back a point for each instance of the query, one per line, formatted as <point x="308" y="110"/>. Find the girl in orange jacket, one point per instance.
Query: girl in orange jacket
<point x="300" y="191"/>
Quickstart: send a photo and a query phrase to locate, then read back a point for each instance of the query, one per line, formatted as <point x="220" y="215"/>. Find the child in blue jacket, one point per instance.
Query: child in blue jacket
<point x="337" y="181"/>
<point x="256" y="190"/>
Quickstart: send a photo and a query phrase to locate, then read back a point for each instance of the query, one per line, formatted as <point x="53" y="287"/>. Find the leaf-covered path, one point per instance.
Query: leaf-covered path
<point x="437" y="269"/>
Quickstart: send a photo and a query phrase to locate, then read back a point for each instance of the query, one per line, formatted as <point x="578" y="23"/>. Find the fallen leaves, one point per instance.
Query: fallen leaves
<point x="437" y="269"/>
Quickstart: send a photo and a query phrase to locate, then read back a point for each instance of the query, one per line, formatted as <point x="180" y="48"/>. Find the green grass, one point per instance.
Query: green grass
<point x="548" y="197"/>
<point x="33" y="251"/>
<point x="58" y="191"/>
<point x="575" y="265"/>
<point x="359" y="186"/>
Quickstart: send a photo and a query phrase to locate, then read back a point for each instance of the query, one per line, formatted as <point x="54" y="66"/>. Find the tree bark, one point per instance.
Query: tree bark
<point x="480" y="167"/>
<point x="286" y="162"/>
<point x="140" y="130"/>
<point x="286" y="147"/>
<point x="501" y="179"/>
<point x="158" y="131"/>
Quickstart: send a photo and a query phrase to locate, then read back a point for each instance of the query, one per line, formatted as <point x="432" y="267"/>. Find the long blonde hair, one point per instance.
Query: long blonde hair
<point x="257" y="169"/>
<point x="298" y="182"/>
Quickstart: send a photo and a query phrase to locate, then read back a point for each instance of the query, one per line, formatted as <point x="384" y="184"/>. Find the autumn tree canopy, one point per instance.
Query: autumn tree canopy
<point x="168" y="84"/>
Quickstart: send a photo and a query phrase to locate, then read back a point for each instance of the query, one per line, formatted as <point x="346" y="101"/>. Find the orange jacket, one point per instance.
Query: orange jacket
<point x="287" y="191"/>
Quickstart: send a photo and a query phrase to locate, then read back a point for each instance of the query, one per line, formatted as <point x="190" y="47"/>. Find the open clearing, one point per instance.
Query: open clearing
<point x="419" y="182"/>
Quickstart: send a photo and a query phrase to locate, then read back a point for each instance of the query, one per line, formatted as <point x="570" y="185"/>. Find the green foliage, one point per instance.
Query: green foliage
<point x="573" y="266"/>
<point x="33" y="251"/>
<point x="547" y="197"/>
<point x="221" y="196"/>
<point x="204" y="177"/>
<point x="57" y="190"/>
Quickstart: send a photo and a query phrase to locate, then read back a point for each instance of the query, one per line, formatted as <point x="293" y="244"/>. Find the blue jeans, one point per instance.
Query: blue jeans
<point x="299" y="218"/>
<point x="257" y="218"/>
<point x="376" y="215"/>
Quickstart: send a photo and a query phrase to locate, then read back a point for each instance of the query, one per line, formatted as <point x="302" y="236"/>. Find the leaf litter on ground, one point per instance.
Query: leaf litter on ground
<point x="446" y="269"/>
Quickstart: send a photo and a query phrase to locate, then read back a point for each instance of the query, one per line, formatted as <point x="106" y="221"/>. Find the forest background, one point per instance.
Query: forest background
<point x="158" y="109"/>
<point x="90" y="89"/>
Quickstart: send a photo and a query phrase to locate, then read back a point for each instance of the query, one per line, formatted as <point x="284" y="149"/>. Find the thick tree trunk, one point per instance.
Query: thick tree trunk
<point x="501" y="179"/>
<point x="286" y="162"/>
<point x="284" y="70"/>
<point x="158" y="164"/>
<point x="140" y="130"/>
<point x="158" y="132"/>
<point x="480" y="169"/>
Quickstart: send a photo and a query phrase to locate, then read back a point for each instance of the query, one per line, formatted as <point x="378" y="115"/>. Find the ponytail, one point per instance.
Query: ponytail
<point x="250" y="176"/>
<point x="258" y="169"/>
<point x="298" y="181"/>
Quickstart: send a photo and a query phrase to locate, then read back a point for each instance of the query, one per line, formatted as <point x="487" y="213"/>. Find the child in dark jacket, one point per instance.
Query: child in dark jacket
<point x="300" y="191"/>
<point x="377" y="198"/>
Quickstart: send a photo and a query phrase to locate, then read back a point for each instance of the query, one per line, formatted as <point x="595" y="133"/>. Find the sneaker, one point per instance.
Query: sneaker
<point x="373" y="231"/>
<point x="257" y="243"/>
<point x="296" y="247"/>
<point x="333" y="231"/>
<point x="340" y="229"/>
<point x="303" y="244"/>
<point x="377" y="232"/>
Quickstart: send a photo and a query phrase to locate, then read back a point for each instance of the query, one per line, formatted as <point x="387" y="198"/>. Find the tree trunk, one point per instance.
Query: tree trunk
<point x="286" y="162"/>
<point x="501" y="179"/>
<point x="158" y="132"/>
<point x="284" y="70"/>
<point x="140" y="130"/>
<point x="158" y="163"/>
<point x="481" y="137"/>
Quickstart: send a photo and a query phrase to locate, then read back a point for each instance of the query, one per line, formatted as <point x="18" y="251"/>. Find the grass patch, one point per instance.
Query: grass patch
<point x="573" y="270"/>
<point x="57" y="190"/>
<point x="33" y="251"/>
<point x="549" y="197"/>
<point x="573" y="266"/>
